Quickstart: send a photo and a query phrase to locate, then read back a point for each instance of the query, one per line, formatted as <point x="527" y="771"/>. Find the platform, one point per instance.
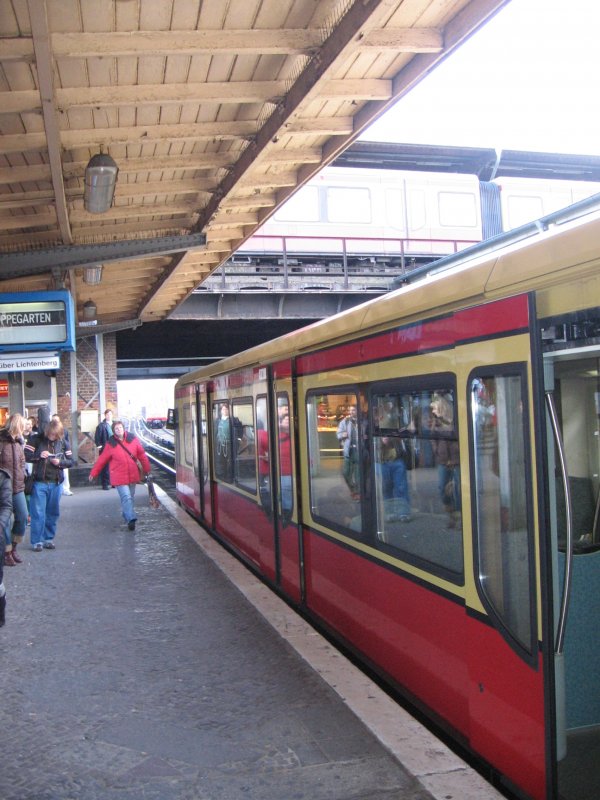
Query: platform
<point x="154" y="666"/>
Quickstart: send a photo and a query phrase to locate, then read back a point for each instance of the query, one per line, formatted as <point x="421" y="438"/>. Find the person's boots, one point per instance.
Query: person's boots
<point x="16" y="558"/>
<point x="8" y="559"/>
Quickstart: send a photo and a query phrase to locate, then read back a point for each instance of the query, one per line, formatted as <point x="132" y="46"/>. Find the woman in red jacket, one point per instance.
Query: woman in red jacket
<point x="121" y="453"/>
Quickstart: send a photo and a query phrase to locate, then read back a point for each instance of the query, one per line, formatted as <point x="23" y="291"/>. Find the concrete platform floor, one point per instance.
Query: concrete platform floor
<point x="153" y="666"/>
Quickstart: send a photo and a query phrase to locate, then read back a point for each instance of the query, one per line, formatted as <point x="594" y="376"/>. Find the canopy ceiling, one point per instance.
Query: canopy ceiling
<point x="215" y="111"/>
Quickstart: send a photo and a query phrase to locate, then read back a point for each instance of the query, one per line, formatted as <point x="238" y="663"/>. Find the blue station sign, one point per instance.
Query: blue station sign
<point x="34" y="321"/>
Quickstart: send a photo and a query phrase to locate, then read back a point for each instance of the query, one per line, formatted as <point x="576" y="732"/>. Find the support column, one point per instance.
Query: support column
<point x="101" y="380"/>
<point x="16" y="393"/>
<point x="87" y="384"/>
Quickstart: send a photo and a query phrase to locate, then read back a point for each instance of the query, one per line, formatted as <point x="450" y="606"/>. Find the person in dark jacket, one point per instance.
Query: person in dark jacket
<point x="12" y="459"/>
<point x="50" y="456"/>
<point x="101" y="437"/>
<point x="5" y="515"/>
<point x="122" y="452"/>
<point x="43" y="418"/>
<point x="66" y="483"/>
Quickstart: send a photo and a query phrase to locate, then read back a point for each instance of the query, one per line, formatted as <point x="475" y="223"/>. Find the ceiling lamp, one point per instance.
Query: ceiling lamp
<point x="92" y="275"/>
<point x="89" y="313"/>
<point x="100" y="181"/>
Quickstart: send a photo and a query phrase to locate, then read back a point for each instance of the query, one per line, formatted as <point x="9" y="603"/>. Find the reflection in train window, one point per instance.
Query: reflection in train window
<point x="284" y="458"/>
<point x="416" y="468"/>
<point x="204" y="446"/>
<point x="263" y="454"/>
<point x="244" y="444"/>
<point x="335" y="457"/>
<point x="223" y="446"/>
<point x="189" y="423"/>
<point x="503" y="520"/>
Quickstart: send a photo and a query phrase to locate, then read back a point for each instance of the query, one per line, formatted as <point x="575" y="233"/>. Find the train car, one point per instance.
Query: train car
<point x="420" y="476"/>
<point x="385" y="218"/>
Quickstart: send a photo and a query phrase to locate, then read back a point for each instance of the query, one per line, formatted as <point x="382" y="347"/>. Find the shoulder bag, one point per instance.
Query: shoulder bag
<point x="29" y="481"/>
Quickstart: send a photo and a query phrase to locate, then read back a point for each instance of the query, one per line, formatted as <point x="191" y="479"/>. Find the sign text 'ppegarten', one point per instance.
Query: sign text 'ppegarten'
<point x="32" y="323"/>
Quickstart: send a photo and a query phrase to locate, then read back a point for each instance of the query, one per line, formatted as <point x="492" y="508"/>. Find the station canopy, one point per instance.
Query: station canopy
<point x="214" y="113"/>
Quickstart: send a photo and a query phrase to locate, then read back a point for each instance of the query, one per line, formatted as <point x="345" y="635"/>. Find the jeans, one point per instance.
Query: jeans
<point x="20" y="514"/>
<point x="393" y="480"/>
<point x="104" y="473"/>
<point x="126" y="495"/>
<point x="44" y="505"/>
<point x="350" y="470"/>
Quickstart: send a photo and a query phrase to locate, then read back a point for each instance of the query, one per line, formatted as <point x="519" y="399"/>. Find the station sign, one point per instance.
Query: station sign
<point x="37" y="321"/>
<point x="28" y="362"/>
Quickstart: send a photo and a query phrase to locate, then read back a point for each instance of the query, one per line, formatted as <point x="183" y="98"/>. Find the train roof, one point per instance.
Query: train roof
<point x="559" y="246"/>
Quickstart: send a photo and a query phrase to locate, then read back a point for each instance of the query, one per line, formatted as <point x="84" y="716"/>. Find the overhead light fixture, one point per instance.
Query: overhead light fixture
<point x="92" y="275"/>
<point x="89" y="313"/>
<point x="100" y="181"/>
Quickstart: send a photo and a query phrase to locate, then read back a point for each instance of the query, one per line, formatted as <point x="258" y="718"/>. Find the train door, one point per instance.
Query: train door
<point x="507" y="667"/>
<point x="572" y="384"/>
<point x="186" y="442"/>
<point x="288" y="545"/>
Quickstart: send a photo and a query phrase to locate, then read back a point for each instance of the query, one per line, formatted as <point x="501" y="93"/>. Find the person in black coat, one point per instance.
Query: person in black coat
<point x="101" y="437"/>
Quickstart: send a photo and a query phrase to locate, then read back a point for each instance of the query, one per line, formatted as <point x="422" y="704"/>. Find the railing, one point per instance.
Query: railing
<point x="285" y="262"/>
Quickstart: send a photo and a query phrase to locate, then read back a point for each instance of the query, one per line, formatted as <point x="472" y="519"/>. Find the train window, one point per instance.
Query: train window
<point x="189" y="424"/>
<point x="457" y="209"/>
<point x="263" y="457"/>
<point x="345" y="204"/>
<point x="204" y="447"/>
<point x="244" y="445"/>
<point x="284" y="452"/>
<point x="335" y="448"/>
<point x="223" y="428"/>
<point x="302" y="207"/>
<point x="520" y="209"/>
<point x="416" y="474"/>
<point x="503" y="525"/>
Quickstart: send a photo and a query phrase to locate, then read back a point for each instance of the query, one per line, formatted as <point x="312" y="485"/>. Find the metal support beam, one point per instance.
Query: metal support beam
<point x="33" y="262"/>
<point x="271" y="305"/>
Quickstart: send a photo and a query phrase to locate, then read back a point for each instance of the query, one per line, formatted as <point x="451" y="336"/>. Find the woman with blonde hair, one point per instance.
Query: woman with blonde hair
<point x="12" y="459"/>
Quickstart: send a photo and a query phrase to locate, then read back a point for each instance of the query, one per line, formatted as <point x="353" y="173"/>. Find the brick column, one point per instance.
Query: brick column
<point x="87" y="382"/>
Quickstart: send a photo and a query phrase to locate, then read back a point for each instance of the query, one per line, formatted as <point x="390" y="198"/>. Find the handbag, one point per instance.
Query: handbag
<point x="29" y="481"/>
<point x="153" y="499"/>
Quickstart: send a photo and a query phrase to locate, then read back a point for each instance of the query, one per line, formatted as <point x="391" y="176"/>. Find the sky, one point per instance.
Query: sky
<point x="528" y="80"/>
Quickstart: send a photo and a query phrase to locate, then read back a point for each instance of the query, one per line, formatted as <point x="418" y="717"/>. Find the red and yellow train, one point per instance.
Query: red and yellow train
<point x="420" y="475"/>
